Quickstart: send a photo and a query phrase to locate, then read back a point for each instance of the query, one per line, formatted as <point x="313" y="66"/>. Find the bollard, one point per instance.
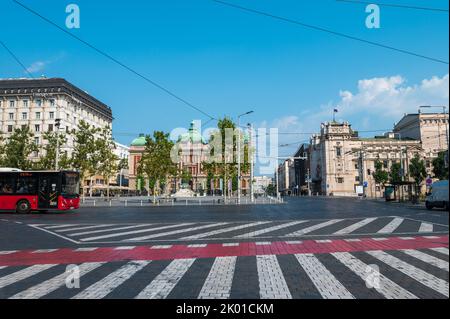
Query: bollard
<point x="126" y="203"/>
<point x="186" y="202"/>
<point x="141" y="203"/>
<point x="110" y="203"/>
<point x="95" y="203"/>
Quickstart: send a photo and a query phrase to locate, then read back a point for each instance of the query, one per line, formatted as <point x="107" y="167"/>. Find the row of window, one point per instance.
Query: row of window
<point x="25" y="103"/>
<point x="37" y="116"/>
<point x="37" y="128"/>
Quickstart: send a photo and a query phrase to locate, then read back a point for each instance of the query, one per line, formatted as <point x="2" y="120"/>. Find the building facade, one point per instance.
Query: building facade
<point x="193" y="151"/>
<point x="342" y="163"/>
<point x="39" y="103"/>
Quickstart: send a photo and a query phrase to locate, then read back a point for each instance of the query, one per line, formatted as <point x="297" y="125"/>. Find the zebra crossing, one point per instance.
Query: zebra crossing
<point x="113" y="233"/>
<point x="404" y="274"/>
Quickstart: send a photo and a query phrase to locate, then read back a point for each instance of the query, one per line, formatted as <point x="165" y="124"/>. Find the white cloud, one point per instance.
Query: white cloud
<point x="37" y="66"/>
<point x="391" y="97"/>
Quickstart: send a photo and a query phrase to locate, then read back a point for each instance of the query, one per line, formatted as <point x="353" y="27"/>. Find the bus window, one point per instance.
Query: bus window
<point x="6" y="184"/>
<point x="26" y="185"/>
<point x="70" y="184"/>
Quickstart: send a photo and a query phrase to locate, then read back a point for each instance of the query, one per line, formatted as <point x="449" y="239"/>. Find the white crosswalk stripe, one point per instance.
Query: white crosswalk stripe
<point x="106" y="285"/>
<point x="175" y="232"/>
<point x="426" y="228"/>
<point x="53" y="284"/>
<point x="386" y="287"/>
<point x="392" y="226"/>
<point x="108" y="230"/>
<point x="272" y="284"/>
<point x="59" y="226"/>
<point x="421" y="276"/>
<point x="23" y="274"/>
<point x="146" y="230"/>
<point x="355" y="226"/>
<point x="225" y="230"/>
<point x="325" y="282"/>
<point x="442" y="264"/>
<point x="218" y="283"/>
<point x="164" y="283"/>
<point x="313" y="228"/>
<point x="270" y="229"/>
<point x="441" y="250"/>
<point x="84" y="228"/>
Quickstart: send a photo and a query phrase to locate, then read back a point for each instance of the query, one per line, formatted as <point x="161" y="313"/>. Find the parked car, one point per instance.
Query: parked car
<point x="438" y="196"/>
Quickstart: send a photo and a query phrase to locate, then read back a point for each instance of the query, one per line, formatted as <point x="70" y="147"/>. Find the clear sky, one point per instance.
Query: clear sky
<point x="226" y="61"/>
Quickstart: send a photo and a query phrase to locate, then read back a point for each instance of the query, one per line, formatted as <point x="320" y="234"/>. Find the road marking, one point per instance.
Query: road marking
<point x="407" y="238"/>
<point x="325" y="282"/>
<point x="175" y="232"/>
<point x="59" y="226"/>
<point x="134" y="232"/>
<point x="263" y="243"/>
<point x="231" y="245"/>
<point x="225" y="230"/>
<point x="294" y="242"/>
<point x="106" y="285"/>
<point x="323" y="241"/>
<point x="355" y="226"/>
<point x="442" y="264"/>
<point x="197" y="246"/>
<point x="386" y="287"/>
<point x="161" y="247"/>
<point x="441" y="250"/>
<point x="415" y="273"/>
<point x="8" y="252"/>
<point x="380" y="239"/>
<point x="313" y="228"/>
<point x="218" y="283"/>
<point x="272" y="284"/>
<point x="426" y="228"/>
<point x="84" y="228"/>
<point x="107" y="230"/>
<point x="44" y="251"/>
<point x="125" y="248"/>
<point x="22" y="274"/>
<point x="164" y="283"/>
<point x="86" y="249"/>
<point x="352" y="240"/>
<point x="53" y="284"/>
<point x="270" y="229"/>
<point x="392" y="226"/>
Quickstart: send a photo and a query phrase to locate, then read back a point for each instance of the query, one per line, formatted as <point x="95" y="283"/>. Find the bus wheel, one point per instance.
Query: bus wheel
<point x="23" y="207"/>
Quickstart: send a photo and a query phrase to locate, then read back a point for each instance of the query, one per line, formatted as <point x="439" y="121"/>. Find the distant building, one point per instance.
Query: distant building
<point x="261" y="183"/>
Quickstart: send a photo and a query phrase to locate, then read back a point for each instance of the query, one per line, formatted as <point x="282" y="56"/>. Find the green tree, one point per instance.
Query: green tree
<point x="2" y="149"/>
<point x="107" y="161"/>
<point x="417" y="171"/>
<point x="84" y="157"/>
<point x="380" y="176"/>
<point x="48" y="160"/>
<point x="439" y="169"/>
<point x="18" y="148"/>
<point x="395" y="173"/>
<point x="223" y="161"/>
<point x="156" y="163"/>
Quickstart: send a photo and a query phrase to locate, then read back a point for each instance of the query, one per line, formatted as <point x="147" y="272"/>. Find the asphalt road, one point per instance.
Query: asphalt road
<point x="305" y="248"/>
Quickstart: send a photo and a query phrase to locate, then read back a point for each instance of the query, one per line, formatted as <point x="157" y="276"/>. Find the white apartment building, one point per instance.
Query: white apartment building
<point x="38" y="103"/>
<point x="261" y="183"/>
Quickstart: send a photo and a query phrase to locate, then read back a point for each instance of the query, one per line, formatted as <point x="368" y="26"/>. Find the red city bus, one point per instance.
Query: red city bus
<point x="39" y="191"/>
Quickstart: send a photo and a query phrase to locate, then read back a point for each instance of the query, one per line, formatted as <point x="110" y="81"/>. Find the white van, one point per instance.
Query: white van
<point x="438" y="196"/>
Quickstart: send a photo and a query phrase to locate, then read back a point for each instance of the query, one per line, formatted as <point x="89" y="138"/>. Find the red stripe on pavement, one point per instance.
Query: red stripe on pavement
<point x="108" y="254"/>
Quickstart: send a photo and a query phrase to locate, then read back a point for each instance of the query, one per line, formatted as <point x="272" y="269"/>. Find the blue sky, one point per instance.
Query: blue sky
<point x="227" y="62"/>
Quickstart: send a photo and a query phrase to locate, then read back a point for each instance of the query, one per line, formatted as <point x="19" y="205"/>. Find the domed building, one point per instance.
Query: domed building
<point x="194" y="149"/>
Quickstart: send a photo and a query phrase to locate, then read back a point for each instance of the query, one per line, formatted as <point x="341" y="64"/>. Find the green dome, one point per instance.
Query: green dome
<point x="192" y="136"/>
<point x="140" y="141"/>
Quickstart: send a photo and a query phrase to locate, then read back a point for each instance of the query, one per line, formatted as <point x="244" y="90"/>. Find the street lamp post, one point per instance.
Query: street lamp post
<point x="239" y="155"/>
<point x="57" y="126"/>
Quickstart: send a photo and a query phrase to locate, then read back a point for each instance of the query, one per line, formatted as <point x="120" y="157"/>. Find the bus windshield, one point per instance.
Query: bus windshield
<point x="70" y="185"/>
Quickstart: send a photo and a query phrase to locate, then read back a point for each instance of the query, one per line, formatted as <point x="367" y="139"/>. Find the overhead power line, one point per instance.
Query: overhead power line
<point x="16" y="59"/>
<point x="152" y="82"/>
<point x="395" y="5"/>
<point x="317" y="28"/>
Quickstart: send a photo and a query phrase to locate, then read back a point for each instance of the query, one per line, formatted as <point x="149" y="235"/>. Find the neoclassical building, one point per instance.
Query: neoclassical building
<point x="193" y="153"/>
